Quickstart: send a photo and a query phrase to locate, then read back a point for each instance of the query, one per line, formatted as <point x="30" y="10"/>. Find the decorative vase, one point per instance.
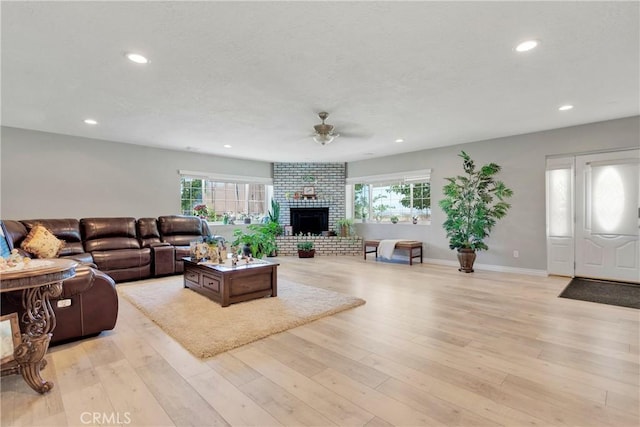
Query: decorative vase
<point x="246" y="250"/>
<point x="466" y="258"/>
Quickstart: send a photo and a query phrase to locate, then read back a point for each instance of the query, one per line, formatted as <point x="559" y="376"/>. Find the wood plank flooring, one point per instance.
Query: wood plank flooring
<point x="431" y="347"/>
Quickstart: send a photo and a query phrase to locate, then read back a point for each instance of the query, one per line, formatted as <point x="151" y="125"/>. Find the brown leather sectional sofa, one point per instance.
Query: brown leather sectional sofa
<point x="109" y="250"/>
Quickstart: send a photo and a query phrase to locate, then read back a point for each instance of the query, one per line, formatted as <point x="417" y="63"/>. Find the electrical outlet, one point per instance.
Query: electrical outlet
<point x="516" y="254"/>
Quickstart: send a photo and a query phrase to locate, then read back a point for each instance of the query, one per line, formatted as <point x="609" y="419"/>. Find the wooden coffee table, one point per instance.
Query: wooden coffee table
<point x="227" y="285"/>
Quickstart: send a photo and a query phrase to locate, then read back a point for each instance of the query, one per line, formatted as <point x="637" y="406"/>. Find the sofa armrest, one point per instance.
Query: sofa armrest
<point x="84" y="258"/>
<point x="163" y="259"/>
<point x="81" y="282"/>
<point x="155" y="245"/>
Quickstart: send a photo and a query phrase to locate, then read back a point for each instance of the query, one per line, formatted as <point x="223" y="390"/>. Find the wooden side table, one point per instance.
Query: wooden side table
<point x="38" y="284"/>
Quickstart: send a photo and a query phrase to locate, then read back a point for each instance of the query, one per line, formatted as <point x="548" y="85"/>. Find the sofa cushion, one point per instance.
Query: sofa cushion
<point x="104" y="234"/>
<point x="4" y="245"/>
<point x="182" y="251"/>
<point x="83" y="258"/>
<point x="121" y="258"/>
<point x="148" y="234"/>
<point x="67" y="229"/>
<point x="42" y="243"/>
<point x="181" y="230"/>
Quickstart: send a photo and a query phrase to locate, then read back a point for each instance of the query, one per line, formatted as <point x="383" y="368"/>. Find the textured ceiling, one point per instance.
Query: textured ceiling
<point x="255" y="74"/>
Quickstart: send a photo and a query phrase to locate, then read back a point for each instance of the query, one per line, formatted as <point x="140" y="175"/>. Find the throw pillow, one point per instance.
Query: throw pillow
<point x="42" y="243"/>
<point x="4" y="245"/>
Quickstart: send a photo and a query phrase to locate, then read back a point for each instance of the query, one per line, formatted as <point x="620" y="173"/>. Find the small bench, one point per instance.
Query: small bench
<point x="409" y="245"/>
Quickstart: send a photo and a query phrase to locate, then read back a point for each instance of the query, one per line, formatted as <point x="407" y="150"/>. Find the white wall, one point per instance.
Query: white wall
<point x="522" y="159"/>
<point x="47" y="175"/>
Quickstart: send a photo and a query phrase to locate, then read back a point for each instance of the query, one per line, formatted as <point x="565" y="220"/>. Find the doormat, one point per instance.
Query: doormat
<point x="604" y="292"/>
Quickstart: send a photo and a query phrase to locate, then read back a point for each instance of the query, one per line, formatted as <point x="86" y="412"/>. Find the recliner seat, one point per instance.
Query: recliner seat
<point x="115" y="248"/>
<point x="179" y="231"/>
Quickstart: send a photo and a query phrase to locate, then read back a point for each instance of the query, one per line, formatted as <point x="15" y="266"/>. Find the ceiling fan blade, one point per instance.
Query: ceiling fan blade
<point x="360" y="135"/>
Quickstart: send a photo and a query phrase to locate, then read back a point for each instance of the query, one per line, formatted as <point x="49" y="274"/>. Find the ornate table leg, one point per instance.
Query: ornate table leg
<point x="39" y="320"/>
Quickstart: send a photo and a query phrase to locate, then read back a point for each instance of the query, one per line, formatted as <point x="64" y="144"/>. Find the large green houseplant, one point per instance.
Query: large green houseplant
<point x="473" y="203"/>
<point x="259" y="238"/>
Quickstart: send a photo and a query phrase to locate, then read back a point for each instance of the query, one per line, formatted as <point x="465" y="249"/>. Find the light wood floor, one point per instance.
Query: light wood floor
<point x="431" y="347"/>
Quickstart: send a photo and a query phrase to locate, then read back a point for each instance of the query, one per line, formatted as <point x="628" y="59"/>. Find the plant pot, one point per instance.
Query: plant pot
<point x="306" y="254"/>
<point x="344" y="231"/>
<point x="247" y="220"/>
<point x="466" y="258"/>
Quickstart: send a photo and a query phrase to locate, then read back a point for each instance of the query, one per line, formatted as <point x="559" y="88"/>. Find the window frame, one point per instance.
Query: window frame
<point x="386" y="180"/>
<point x="230" y="179"/>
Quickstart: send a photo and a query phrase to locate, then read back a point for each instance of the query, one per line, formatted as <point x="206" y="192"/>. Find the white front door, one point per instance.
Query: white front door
<point x="607" y="216"/>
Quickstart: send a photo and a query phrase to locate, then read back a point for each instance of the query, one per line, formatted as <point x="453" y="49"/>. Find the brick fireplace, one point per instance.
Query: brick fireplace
<point x="328" y="182"/>
<point x="309" y="220"/>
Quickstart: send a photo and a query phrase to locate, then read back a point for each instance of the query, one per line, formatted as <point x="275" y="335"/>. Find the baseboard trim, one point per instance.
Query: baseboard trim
<point x="490" y="267"/>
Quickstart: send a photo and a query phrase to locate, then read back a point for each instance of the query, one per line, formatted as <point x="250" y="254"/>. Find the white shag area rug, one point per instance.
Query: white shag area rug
<point x="205" y="328"/>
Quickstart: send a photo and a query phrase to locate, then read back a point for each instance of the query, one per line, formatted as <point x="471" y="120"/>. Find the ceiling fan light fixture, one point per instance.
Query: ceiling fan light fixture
<point x="324" y="133"/>
<point x="323" y="138"/>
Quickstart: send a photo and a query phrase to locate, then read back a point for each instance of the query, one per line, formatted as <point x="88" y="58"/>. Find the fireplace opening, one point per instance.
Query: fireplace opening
<point x="309" y="220"/>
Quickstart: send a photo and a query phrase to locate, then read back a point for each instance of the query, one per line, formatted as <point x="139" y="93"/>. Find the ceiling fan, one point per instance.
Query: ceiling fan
<point x="324" y="132"/>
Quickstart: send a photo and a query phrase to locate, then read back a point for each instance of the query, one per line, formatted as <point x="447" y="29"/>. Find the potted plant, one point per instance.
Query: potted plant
<point x="259" y="240"/>
<point x="201" y="211"/>
<point x="274" y="212"/>
<point x="394" y="219"/>
<point x="306" y="250"/>
<point x="473" y="203"/>
<point x="272" y="228"/>
<point x="345" y="227"/>
<point x="270" y="231"/>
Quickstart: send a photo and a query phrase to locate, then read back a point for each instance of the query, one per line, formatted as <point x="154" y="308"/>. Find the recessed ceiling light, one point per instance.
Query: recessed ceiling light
<point x="565" y="107"/>
<point x="90" y="121"/>
<point x="399" y="140"/>
<point x="528" y="45"/>
<point x="226" y="146"/>
<point x="137" y="58"/>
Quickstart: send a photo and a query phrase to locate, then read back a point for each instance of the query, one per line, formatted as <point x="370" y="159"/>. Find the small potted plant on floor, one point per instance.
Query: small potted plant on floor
<point x="306" y="250"/>
<point x="345" y="227"/>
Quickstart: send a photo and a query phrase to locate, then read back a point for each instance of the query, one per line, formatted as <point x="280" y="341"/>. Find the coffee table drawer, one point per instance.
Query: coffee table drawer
<point x="192" y="276"/>
<point x="210" y="282"/>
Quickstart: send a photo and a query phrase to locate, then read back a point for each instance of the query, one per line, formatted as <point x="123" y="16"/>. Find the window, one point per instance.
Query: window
<point x="406" y="198"/>
<point x="224" y="198"/>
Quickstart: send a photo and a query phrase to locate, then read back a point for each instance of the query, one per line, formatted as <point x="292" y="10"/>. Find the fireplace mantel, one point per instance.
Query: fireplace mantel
<point x="308" y="203"/>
